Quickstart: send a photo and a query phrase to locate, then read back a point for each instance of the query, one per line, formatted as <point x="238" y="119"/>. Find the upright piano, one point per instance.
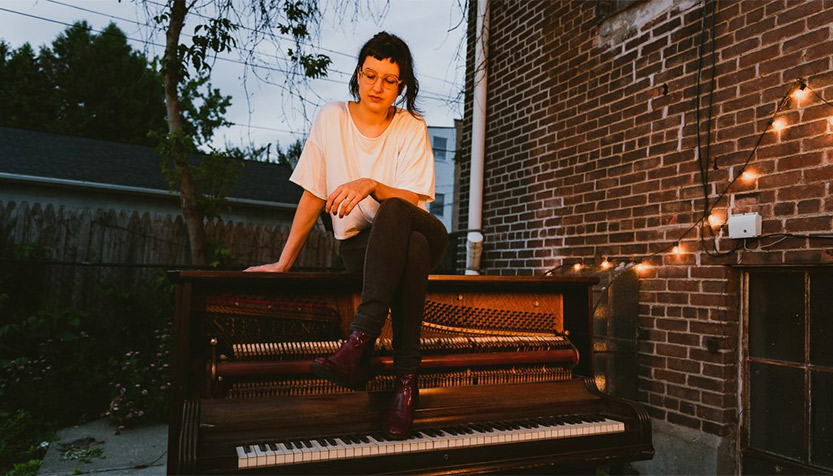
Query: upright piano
<point x="505" y="380"/>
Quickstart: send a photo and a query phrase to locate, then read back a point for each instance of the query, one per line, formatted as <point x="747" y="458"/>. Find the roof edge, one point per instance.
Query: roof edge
<point x="56" y="182"/>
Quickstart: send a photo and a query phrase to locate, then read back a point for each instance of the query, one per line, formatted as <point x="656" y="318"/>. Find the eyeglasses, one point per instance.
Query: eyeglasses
<point x="369" y="78"/>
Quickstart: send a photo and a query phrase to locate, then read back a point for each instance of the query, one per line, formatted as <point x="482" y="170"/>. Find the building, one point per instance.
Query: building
<point x="443" y="142"/>
<point x="95" y="201"/>
<point x="603" y="146"/>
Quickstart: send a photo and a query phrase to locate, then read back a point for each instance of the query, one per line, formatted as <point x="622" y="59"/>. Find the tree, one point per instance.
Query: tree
<point x="26" y="94"/>
<point x="215" y="34"/>
<point x="84" y="85"/>
<point x="292" y="154"/>
<point x="104" y="89"/>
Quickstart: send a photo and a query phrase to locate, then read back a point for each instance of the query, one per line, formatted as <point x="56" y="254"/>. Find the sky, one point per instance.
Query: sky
<point x="262" y="111"/>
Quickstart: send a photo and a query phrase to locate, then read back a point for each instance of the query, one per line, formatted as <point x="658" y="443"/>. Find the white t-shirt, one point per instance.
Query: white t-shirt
<point x="337" y="153"/>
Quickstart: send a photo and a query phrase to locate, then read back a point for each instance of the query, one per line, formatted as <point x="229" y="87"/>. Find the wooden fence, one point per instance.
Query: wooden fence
<point x="108" y="236"/>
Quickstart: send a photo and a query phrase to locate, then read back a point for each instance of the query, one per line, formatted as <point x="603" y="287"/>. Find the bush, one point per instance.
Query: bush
<point x="21" y="439"/>
<point x="141" y="384"/>
<point x="61" y="366"/>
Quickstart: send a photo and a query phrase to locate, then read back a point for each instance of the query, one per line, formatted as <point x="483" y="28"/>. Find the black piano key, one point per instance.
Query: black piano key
<point x="322" y="442"/>
<point x="331" y="441"/>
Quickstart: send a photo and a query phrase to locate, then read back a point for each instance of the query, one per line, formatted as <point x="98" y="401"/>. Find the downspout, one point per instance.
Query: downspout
<point x="474" y="238"/>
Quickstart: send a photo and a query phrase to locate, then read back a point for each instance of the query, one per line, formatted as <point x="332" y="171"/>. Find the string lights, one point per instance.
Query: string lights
<point x="713" y="220"/>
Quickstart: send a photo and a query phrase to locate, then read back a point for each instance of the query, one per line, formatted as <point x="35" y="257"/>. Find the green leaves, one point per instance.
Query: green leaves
<point x="209" y="39"/>
<point x="85" y="84"/>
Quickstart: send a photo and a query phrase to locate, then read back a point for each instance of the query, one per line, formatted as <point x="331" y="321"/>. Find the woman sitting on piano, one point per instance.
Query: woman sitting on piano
<point x="369" y="164"/>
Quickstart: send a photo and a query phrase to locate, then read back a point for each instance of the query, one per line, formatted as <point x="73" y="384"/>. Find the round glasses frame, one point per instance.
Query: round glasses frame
<point x="370" y="77"/>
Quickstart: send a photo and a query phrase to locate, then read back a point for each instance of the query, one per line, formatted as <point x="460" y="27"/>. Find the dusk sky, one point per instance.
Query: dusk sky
<point x="428" y="26"/>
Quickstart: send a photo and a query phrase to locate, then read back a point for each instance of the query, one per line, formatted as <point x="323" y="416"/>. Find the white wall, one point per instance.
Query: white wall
<point x="443" y="140"/>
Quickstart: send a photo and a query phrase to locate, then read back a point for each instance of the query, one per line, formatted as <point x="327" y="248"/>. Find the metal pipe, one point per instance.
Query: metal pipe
<point x="474" y="239"/>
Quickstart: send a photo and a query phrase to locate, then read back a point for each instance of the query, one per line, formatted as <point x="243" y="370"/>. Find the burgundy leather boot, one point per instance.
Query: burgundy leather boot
<point x="400" y="417"/>
<point x="348" y="367"/>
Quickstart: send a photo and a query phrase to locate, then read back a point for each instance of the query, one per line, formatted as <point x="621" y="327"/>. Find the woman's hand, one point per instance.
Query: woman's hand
<point x="269" y="268"/>
<point x="347" y="196"/>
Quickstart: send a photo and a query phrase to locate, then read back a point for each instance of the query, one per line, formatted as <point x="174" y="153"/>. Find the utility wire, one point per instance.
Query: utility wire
<point x="138" y="23"/>
<point x="428" y="94"/>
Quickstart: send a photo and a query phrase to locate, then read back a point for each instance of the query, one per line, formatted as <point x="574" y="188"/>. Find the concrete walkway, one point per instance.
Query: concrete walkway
<point x="95" y="449"/>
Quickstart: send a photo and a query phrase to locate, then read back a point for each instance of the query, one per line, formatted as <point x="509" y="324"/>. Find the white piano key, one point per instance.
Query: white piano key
<point x="260" y="456"/>
<point x="282" y="454"/>
<point x="242" y="457"/>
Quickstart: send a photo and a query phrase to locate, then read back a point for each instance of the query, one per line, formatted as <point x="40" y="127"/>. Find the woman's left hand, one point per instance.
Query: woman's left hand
<point x="344" y="198"/>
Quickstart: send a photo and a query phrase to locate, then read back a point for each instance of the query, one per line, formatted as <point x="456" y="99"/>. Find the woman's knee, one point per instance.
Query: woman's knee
<point x="393" y="205"/>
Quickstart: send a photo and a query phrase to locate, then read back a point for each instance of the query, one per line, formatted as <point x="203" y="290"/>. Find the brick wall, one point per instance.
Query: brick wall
<point x="592" y="151"/>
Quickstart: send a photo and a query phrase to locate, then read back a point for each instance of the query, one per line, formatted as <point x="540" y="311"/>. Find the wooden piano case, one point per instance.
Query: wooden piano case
<point x="495" y="349"/>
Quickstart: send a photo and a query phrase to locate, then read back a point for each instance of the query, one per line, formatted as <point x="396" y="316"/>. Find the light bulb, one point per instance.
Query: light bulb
<point x="748" y="175"/>
<point x="779" y="124"/>
<point x="676" y="248"/>
<point x="800" y="94"/>
<point x="578" y="267"/>
<point x="715" y="220"/>
<point x="606" y="264"/>
<point x="642" y="267"/>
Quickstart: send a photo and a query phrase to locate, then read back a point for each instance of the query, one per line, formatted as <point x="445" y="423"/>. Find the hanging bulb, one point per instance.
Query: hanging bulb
<point x="715" y="220"/>
<point x="642" y="267"/>
<point x="606" y="264"/>
<point x="676" y="249"/>
<point x="801" y="92"/>
<point x="779" y="124"/>
<point x="578" y="267"/>
<point x="748" y="175"/>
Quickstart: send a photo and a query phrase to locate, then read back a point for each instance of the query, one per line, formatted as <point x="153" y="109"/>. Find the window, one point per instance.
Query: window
<point x="608" y="8"/>
<point x="440" y="148"/>
<point x="437" y="207"/>
<point x="789" y="372"/>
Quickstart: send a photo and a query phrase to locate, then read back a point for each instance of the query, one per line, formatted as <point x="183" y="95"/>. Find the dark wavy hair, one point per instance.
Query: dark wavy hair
<point x="383" y="46"/>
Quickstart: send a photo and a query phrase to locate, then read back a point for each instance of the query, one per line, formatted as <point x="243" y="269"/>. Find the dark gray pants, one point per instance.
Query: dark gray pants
<point x="395" y="256"/>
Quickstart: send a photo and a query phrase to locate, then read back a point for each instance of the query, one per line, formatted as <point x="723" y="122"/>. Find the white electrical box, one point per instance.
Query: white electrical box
<point x="745" y="225"/>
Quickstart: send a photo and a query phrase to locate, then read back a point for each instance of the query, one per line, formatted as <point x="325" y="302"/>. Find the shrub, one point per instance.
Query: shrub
<point x="140" y="385"/>
<point x="21" y="439"/>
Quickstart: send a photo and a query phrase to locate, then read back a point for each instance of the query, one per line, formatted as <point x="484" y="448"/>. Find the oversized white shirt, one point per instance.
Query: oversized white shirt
<point x="336" y="153"/>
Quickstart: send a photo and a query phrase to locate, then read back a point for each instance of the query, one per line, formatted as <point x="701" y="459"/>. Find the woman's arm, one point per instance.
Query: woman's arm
<point x="309" y="207"/>
<point x="351" y="193"/>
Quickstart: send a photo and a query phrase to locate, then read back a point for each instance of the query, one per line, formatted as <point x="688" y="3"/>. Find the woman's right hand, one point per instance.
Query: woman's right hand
<point x="269" y="268"/>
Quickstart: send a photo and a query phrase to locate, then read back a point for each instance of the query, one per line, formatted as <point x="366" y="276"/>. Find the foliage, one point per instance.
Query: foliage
<point x="23" y="437"/>
<point x="214" y="33"/>
<point x="28" y="468"/>
<point x="83" y="450"/>
<point x="33" y="251"/>
<point x="56" y="361"/>
<point x="142" y="385"/>
<point x="292" y="154"/>
<point x="86" y="84"/>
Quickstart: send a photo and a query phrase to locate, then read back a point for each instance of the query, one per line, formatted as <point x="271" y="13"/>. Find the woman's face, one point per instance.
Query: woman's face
<point x="379" y="95"/>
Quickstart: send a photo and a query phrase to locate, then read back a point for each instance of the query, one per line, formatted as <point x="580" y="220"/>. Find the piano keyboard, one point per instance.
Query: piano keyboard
<point x="457" y="436"/>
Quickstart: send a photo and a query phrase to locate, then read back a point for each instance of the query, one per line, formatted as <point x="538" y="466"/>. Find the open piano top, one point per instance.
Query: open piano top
<point x="500" y="385"/>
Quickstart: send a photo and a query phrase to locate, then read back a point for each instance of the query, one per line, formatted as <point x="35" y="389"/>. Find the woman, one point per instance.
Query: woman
<point x="370" y="165"/>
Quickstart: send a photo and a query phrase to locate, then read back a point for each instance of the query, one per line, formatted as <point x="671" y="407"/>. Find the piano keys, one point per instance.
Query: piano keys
<point x="336" y="447"/>
<point x="500" y="384"/>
